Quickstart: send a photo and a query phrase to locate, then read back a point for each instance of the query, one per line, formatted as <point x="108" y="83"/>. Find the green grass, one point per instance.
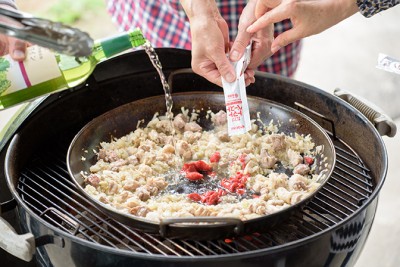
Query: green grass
<point x="71" y="11"/>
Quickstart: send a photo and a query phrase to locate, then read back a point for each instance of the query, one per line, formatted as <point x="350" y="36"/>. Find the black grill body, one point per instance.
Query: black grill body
<point x="330" y="231"/>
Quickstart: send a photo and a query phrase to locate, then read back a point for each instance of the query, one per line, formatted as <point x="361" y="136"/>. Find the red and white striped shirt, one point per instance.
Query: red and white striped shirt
<point x="165" y="24"/>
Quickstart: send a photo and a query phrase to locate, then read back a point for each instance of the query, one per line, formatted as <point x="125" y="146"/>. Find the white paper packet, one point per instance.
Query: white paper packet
<point x="388" y="63"/>
<point x="237" y="108"/>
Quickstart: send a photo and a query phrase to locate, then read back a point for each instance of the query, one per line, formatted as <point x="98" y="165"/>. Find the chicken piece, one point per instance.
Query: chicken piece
<point x="184" y="150"/>
<point x="131" y="150"/>
<point x="149" y="158"/>
<point x="145" y="170"/>
<point x="283" y="194"/>
<point x="131" y="186"/>
<point x="139" y="154"/>
<point x="93" y="179"/>
<point x="298" y="182"/>
<point x="277" y="180"/>
<point x="164" y="126"/>
<point x="139" y="211"/>
<point x="104" y="200"/>
<point x="147" y="145"/>
<point x="154" y="135"/>
<point x="112" y="188"/>
<point x="180" y="121"/>
<point x="277" y="142"/>
<point x="223" y="135"/>
<point x="251" y="167"/>
<point x="116" y="165"/>
<point x="193" y="126"/>
<point x="258" y="185"/>
<point x="142" y="193"/>
<point x="258" y="208"/>
<point x="133" y="160"/>
<point x="166" y="139"/>
<point x="153" y="190"/>
<point x="301" y="169"/>
<point x="201" y="211"/>
<point x="107" y="155"/>
<point x="168" y="149"/>
<point x="294" y="157"/>
<point x="158" y="182"/>
<point x="122" y="197"/>
<point x="191" y="137"/>
<point x="266" y="160"/>
<point x="220" y="118"/>
<point x="298" y="196"/>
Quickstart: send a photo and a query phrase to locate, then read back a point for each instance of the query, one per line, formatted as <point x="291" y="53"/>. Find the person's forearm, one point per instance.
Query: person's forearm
<point x="200" y="8"/>
<point x="368" y="8"/>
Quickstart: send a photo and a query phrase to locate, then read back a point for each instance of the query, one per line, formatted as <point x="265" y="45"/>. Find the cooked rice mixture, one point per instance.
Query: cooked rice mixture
<point x="179" y="169"/>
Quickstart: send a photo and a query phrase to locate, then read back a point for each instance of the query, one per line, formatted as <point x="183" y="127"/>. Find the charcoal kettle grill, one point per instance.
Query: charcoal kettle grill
<point x="62" y="228"/>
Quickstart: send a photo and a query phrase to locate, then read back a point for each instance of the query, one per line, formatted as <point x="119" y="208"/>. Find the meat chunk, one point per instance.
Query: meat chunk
<point x="298" y="182"/>
<point x="301" y="169"/>
<point x="193" y="126"/>
<point x="116" y="165"/>
<point x="266" y="160"/>
<point x="93" y="179"/>
<point x="184" y="149"/>
<point x="158" y="182"/>
<point x="223" y="135"/>
<point x="168" y="149"/>
<point x="277" y="142"/>
<point x="277" y="180"/>
<point x="142" y="193"/>
<point x="107" y="155"/>
<point x="131" y="186"/>
<point x="180" y="121"/>
<point x="220" y="118"/>
<point x="139" y="211"/>
<point x="191" y="137"/>
<point x="164" y="126"/>
<point x="294" y="157"/>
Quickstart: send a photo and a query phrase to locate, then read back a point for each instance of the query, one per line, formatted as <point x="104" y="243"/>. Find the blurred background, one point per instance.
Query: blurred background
<point x="344" y="56"/>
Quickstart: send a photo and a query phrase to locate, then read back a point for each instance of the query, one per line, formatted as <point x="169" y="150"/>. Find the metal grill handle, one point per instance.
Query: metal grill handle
<point x="21" y="246"/>
<point x="193" y="221"/>
<point x="383" y="123"/>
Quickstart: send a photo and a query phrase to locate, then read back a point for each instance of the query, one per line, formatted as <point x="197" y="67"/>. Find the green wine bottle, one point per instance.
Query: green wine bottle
<point x="44" y="72"/>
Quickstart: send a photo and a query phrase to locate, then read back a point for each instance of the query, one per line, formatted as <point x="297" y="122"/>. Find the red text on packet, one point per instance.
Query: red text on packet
<point x="234" y="111"/>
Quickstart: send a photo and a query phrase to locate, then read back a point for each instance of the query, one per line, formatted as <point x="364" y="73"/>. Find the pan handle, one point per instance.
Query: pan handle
<point x="193" y="221"/>
<point x="177" y="72"/>
<point x="383" y="123"/>
<point x="21" y="246"/>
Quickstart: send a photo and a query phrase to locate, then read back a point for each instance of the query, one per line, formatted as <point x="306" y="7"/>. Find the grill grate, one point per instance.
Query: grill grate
<point x="46" y="189"/>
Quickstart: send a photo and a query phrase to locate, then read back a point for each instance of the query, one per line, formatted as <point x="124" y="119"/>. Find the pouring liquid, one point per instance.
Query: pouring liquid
<point x="157" y="65"/>
<point x="149" y="49"/>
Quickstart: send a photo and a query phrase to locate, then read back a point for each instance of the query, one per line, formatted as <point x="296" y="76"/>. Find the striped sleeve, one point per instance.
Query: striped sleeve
<point x="368" y="8"/>
<point x="8" y="2"/>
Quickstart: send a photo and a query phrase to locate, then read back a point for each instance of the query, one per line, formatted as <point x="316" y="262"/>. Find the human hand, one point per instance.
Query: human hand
<point x="308" y="17"/>
<point x="9" y="45"/>
<point x="210" y="42"/>
<point x="261" y="41"/>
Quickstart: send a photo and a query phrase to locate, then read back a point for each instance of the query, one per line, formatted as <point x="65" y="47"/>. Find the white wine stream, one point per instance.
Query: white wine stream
<point x="157" y="65"/>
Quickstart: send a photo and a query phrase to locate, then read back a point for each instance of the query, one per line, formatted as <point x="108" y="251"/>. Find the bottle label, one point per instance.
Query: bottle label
<point x="39" y="66"/>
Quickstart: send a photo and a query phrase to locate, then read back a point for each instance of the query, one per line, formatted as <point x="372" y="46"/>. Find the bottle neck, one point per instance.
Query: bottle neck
<point x="112" y="46"/>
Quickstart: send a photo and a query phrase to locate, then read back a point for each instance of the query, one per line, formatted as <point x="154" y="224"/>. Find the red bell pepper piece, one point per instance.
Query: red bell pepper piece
<point x="308" y="160"/>
<point x="194" y="176"/>
<point x="194" y="196"/>
<point x="215" y="157"/>
<point x="201" y="165"/>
